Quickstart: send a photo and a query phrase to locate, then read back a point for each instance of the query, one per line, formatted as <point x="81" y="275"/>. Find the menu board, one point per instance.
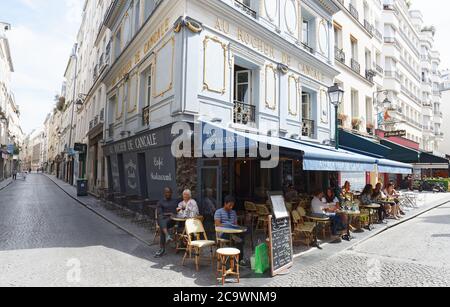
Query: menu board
<point x="278" y="205"/>
<point x="281" y="253"/>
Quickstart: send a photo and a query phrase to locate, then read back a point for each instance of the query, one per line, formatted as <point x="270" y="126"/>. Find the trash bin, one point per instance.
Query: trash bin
<point x="82" y="187"/>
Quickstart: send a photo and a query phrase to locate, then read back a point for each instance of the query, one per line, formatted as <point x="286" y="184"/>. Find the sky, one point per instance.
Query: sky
<point x="44" y="31"/>
<point x="42" y="36"/>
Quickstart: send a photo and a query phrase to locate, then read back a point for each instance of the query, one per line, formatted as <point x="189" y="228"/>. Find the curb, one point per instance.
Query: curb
<point x="101" y="215"/>
<point x="7" y="185"/>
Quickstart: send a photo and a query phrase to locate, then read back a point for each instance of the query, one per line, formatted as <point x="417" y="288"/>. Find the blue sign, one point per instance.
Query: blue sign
<point x="10" y="149"/>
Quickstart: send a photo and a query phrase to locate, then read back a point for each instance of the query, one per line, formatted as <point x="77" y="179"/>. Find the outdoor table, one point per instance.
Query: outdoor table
<point x="180" y="236"/>
<point x="370" y="208"/>
<point x="232" y="231"/>
<point x="349" y="214"/>
<point x="317" y="220"/>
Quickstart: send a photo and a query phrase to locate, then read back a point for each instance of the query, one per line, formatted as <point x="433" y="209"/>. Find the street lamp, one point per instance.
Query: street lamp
<point x="336" y="96"/>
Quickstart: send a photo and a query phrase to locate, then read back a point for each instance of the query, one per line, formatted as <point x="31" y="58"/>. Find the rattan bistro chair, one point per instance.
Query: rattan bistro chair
<point x="303" y="231"/>
<point x="197" y="239"/>
<point x="263" y="218"/>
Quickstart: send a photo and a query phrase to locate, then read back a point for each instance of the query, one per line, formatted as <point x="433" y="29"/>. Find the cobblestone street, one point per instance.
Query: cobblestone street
<point x="412" y="254"/>
<point x="47" y="238"/>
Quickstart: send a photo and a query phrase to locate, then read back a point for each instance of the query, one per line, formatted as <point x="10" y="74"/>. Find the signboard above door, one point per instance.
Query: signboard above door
<point x="398" y="133"/>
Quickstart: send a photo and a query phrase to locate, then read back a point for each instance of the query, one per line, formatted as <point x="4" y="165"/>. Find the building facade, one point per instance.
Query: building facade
<point x="11" y="135"/>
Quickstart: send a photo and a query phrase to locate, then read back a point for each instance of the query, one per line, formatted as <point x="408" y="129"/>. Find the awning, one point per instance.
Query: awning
<point x="420" y="159"/>
<point x="362" y="145"/>
<point x="401" y="153"/>
<point x="394" y="167"/>
<point x="315" y="157"/>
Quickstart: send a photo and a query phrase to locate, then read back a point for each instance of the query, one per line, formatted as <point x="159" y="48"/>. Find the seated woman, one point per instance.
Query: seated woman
<point x="378" y="195"/>
<point x="320" y="208"/>
<point x="333" y="203"/>
<point x="392" y="195"/>
<point x="346" y="191"/>
<point x="188" y="208"/>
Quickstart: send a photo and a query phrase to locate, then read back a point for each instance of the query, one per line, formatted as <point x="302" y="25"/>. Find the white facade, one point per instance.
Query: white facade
<point x="10" y="131"/>
<point x="358" y="42"/>
<point x="171" y="70"/>
<point x="444" y="146"/>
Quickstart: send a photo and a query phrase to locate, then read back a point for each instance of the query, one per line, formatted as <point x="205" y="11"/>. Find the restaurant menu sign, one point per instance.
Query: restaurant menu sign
<point x="282" y="253"/>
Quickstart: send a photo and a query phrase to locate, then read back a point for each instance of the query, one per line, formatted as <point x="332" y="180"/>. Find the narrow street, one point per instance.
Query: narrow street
<point x="47" y="238"/>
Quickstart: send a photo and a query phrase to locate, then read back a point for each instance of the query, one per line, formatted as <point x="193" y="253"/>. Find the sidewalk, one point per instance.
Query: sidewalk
<point x="304" y="257"/>
<point x="5" y="183"/>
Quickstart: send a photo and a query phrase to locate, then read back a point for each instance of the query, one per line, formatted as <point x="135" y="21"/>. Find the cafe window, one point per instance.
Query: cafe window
<point x="306" y="105"/>
<point x="243" y="85"/>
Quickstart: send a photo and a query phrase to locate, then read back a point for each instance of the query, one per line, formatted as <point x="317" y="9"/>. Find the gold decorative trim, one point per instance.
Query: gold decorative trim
<point x="297" y="92"/>
<point x="271" y="105"/>
<point x="178" y="27"/>
<point x="295" y="2"/>
<point x="170" y="87"/>
<point x="224" y="46"/>
<point x="194" y="28"/>
<point x="319" y="45"/>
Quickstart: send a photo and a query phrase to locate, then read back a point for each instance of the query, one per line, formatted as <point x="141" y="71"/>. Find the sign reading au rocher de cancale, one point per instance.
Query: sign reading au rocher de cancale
<point x="141" y="142"/>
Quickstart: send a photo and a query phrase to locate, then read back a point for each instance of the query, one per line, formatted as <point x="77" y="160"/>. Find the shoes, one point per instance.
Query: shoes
<point x="169" y="239"/>
<point x="160" y="253"/>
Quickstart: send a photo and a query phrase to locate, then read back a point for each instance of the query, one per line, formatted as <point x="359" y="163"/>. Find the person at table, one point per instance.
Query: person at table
<point x="319" y="209"/>
<point x="166" y="209"/>
<point x="188" y="207"/>
<point x="367" y="199"/>
<point x="336" y="189"/>
<point x="346" y="191"/>
<point x="291" y="194"/>
<point x="378" y="196"/>
<point x="333" y="203"/>
<point x="392" y="195"/>
<point x="226" y="217"/>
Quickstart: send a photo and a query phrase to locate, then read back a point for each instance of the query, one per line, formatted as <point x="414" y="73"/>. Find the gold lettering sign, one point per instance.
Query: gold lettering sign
<point x="222" y="26"/>
<point x="311" y="72"/>
<point x="159" y="33"/>
<point x="256" y="43"/>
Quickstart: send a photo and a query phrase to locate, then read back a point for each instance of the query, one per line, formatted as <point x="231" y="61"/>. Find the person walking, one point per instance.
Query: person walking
<point x="14" y="174"/>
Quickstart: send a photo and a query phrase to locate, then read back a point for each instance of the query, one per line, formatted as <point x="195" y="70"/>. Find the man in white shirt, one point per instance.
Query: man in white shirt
<point x="321" y="209"/>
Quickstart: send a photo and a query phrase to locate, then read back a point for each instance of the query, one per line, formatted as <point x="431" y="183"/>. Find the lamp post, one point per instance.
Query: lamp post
<point x="336" y="96"/>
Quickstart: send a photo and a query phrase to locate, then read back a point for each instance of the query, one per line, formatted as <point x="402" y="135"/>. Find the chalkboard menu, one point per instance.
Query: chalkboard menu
<point x="281" y="253"/>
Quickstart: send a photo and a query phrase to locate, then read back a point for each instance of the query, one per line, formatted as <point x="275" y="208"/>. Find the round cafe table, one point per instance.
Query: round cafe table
<point x="370" y="208"/>
<point x="317" y="219"/>
<point x="232" y="231"/>
<point x="349" y="214"/>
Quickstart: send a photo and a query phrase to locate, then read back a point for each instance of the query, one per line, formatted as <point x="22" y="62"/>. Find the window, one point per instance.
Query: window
<point x="354" y="48"/>
<point x="306" y="105"/>
<point x="149" y="7"/>
<point x="137" y="15"/>
<point x="118" y="43"/>
<point x="148" y="86"/>
<point x="243" y="86"/>
<point x="355" y="105"/>
<point x="305" y="35"/>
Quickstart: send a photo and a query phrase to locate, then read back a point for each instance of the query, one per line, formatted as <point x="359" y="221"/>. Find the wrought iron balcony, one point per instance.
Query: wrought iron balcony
<point x="370" y="74"/>
<point x="244" y="114"/>
<point x="91" y="125"/>
<point x="355" y="66"/>
<point x="308" y="48"/>
<point x="146" y="116"/>
<point x="339" y="54"/>
<point x="102" y="115"/>
<point x="353" y="11"/>
<point x="379" y="69"/>
<point x="308" y="127"/>
<point x="247" y="10"/>
<point x="368" y="26"/>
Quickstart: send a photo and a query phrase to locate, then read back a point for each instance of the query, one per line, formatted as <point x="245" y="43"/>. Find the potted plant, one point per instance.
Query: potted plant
<point x="356" y="122"/>
<point x="370" y="126"/>
<point x="342" y="119"/>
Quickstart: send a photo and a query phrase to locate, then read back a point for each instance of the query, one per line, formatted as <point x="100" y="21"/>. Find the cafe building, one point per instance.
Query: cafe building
<point x="253" y="72"/>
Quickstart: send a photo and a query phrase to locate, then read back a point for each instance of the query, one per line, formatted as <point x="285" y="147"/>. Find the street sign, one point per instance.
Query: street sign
<point x="399" y="133"/>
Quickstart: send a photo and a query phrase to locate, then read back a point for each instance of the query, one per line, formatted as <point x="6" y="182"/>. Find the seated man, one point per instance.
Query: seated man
<point x="226" y="217"/>
<point x="321" y="209"/>
<point x="166" y="208"/>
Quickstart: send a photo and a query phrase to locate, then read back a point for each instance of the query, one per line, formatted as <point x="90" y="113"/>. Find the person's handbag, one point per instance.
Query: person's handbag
<point x="261" y="259"/>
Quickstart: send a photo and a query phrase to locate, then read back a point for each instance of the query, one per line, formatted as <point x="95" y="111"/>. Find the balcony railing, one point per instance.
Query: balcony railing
<point x="247" y="10"/>
<point x="102" y="115"/>
<point x="355" y="66"/>
<point x="96" y="120"/>
<point x="244" y="113"/>
<point x="308" y="48"/>
<point x="308" y="127"/>
<point x="339" y="54"/>
<point x="146" y="116"/>
<point x="368" y="27"/>
<point x="91" y="125"/>
<point x="353" y="11"/>
<point x="370" y="74"/>
<point x="379" y="69"/>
